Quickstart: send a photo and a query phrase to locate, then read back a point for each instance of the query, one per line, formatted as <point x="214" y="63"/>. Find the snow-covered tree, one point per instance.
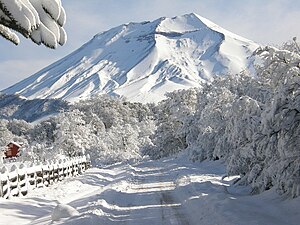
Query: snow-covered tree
<point x="40" y="20"/>
<point x="43" y="132"/>
<point x="119" y="129"/>
<point x="206" y="128"/>
<point x="5" y="135"/>
<point x="172" y="115"/>
<point x="292" y="46"/>
<point x="19" y="127"/>
<point x="279" y="145"/>
<point x="240" y="132"/>
<point x="72" y="135"/>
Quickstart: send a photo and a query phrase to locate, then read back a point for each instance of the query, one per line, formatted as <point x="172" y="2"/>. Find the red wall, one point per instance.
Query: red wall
<point x="12" y="151"/>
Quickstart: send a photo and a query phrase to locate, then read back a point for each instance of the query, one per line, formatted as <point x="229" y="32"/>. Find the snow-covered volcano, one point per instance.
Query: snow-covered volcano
<point x="142" y="61"/>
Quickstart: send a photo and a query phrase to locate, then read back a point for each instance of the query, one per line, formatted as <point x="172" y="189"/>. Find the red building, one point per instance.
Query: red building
<point x="13" y="150"/>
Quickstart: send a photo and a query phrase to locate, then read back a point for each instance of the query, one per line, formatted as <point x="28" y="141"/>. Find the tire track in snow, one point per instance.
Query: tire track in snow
<point x="173" y="214"/>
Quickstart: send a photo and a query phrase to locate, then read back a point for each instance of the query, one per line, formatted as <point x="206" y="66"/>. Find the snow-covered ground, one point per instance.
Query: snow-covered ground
<point x="169" y="191"/>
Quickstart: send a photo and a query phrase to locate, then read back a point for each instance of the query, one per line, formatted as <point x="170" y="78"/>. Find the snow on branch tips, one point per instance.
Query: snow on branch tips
<point x="40" y="20"/>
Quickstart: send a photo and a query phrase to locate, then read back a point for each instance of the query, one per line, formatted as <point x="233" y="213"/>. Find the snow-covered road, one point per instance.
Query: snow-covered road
<point x="152" y="192"/>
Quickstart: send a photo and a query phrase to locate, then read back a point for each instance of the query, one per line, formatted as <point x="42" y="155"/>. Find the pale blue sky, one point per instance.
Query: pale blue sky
<point x="263" y="21"/>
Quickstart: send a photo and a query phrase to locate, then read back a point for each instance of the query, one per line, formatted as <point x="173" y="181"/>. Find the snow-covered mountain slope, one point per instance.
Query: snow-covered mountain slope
<point x="142" y="61"/>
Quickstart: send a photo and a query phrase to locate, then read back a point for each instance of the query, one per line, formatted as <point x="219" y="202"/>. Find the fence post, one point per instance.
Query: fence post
<point x="55" y="171"/>
<point x="32" y="176"/>
<point x="60" y="170"/>
<point x="46" y="174"/>
<point x="23" y="181"/>
<point x="75" y="167"/>
<point x="13" y="181"/>
<point x="51" y="172"/>
<point x="70" y="168"/>
<point x="65" y="168"/>
<point x="5" y="187"/>
<point x="80" y="165"/>
<point x="39" y="176"/>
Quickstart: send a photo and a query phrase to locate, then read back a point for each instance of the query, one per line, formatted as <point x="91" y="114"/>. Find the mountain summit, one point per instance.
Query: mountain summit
<point x="142" y="61"/>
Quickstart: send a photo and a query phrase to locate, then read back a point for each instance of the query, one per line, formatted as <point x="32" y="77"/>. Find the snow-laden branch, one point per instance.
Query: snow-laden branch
<point x="40" y="20"/>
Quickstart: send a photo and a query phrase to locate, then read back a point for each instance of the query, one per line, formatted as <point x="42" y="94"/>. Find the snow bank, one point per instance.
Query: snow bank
<point x="62" y="211"/>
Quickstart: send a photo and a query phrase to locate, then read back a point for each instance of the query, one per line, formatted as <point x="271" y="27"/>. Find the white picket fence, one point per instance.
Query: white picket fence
<point x="19" y="179"/>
